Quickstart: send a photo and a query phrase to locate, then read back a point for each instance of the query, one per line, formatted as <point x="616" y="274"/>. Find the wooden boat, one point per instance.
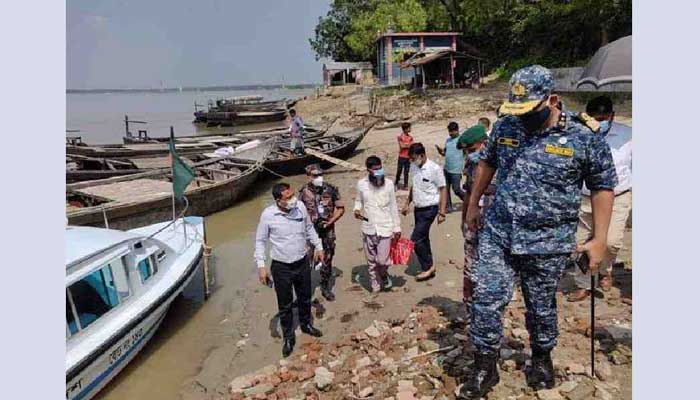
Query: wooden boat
<point x="81" y="168"/>
<point x="234" y="118"/>
<point x="227" y="105"/>
<point x="138" y="150"/>
<point x="119" y="286"/>
<point x="309" y="130"/>
<point x="146" y="198"/>
<point x="282" y="160"/>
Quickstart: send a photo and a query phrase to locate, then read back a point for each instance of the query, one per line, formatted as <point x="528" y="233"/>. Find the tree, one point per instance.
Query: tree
<point x="401" y="16"/>
<point x="331" y="30"/>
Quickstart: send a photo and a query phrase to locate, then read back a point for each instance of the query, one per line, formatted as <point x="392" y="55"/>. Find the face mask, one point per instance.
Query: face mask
<point x="318" y="181"/>
<point x="534" y="120"/>
<point x="416" y="162"/>
<point x="291" y="203"/>
<point x="604" y="127"/>
<point x="378" y="172"/>
<point x="474" y="157"/>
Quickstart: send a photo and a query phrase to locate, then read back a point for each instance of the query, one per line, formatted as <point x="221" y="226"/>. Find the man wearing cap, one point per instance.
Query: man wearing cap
<point x="540" y="158"/>
<point x="322" y="200"/>
<point x="619" y="138"/>
<point x="471" y="142"/>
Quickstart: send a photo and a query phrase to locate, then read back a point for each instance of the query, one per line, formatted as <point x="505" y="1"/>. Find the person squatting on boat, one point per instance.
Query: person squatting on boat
<point x="375" y="206"/>
<point x="296" y="132"/>
<point x="323" y="203"/>
<point x="287" y="227"/>
<point x="540" y="157"/>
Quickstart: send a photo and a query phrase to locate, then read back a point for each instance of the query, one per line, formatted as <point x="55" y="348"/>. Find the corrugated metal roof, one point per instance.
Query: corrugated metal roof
<point x="338" y="65"/>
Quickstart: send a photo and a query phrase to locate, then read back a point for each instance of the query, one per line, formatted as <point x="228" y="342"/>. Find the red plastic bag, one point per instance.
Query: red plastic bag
<point x="400" y="251"/>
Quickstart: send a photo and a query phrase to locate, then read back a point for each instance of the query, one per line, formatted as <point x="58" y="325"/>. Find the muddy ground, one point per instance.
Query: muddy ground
<point x="251" y="337"/>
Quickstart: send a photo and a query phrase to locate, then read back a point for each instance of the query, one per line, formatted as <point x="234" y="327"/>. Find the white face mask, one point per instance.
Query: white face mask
<point x="318" y="181"/>
<point x="291" y="203"/>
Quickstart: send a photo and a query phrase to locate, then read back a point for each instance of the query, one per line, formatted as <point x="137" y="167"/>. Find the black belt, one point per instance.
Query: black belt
<point x="424" y="208"/>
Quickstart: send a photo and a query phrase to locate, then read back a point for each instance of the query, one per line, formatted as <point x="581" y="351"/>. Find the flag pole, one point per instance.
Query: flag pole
<point x="172" y="170"/>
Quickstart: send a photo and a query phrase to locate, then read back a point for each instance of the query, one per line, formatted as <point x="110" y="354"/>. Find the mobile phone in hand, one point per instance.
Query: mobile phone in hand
<point x="268" y="282"/>
<point x="583" y="262"/>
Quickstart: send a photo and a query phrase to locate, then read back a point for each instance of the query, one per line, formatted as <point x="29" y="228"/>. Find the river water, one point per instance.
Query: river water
<point x="100" y="116"/>
<point x="192" y="328"/>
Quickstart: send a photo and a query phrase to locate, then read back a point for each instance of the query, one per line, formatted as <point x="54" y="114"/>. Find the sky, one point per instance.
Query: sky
<point x="121" y="44"/>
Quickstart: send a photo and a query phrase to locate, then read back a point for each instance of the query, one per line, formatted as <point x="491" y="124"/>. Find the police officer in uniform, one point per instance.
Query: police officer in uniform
<point x="540" y="157"/>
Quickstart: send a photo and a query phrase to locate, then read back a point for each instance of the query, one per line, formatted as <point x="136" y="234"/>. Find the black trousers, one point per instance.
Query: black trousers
<point x="403" y="166"/>
<point x="294" y="276"/>
<point x="424" y="217"/>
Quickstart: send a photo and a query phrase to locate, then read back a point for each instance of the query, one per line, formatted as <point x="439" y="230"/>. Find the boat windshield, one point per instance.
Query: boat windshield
<point x="96" y="294"/>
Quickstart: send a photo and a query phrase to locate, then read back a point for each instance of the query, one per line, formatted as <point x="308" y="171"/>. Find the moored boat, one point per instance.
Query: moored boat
<point x="283" y="161"/>
<point x="119" y="285"/>
<point x="145" y="198"/>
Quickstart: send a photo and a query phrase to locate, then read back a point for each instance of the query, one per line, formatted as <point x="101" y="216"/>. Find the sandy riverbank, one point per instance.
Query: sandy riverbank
<point x="246" y="336"/>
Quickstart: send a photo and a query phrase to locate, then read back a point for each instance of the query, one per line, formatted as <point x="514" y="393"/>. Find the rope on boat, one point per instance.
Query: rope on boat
<point x="272" y="172"/>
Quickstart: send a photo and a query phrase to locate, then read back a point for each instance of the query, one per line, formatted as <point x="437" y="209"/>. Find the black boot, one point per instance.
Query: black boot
<point x="327" y="292"/>
<point x="481" y="378"/>
<point x="288" y="346"/>
<point x="541" y="374"/>
<point x="310" y="330"/>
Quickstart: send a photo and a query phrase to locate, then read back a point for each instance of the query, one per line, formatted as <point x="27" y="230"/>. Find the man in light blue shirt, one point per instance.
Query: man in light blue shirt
<point x="288" y="228"/>
<point x="454" y="164"/>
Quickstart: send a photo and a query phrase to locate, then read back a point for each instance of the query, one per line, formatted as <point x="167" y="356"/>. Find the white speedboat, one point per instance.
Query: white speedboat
<point x="119" y="285"/>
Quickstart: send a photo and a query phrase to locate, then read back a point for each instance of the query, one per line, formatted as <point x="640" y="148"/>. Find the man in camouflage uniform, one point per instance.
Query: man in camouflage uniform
<point x="540" y="158"/>
<point x="471" y="142"/>
<point x="322" y="200"/>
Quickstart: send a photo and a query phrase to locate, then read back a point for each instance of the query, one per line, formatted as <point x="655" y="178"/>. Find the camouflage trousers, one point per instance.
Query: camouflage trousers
<point x="471" y="242"/>
<point x="494" y="277"/>
<point x="328" y="242"/>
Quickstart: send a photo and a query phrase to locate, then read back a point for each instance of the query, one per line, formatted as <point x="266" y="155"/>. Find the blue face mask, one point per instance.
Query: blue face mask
<point x="378" y="172"/>
<point x="474" y="157"/>
<point x="604" y="126"/>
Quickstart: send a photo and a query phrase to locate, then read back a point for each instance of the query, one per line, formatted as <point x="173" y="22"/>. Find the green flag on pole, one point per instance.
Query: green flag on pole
<point x="182" y="173"/>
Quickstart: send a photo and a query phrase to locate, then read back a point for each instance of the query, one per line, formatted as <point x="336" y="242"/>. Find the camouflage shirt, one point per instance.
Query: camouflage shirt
<point x="538" y="183"/>
<point x="320" y="202"/>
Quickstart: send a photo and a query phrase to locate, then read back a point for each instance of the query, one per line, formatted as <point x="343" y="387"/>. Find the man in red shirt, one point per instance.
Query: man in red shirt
<point x="405" y="139"/>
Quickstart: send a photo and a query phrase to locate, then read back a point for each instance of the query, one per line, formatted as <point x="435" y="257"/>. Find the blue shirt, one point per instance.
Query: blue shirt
<point x="454" y="158"/>
<point x="538" y="183"/>
<point x="288" y="234"/>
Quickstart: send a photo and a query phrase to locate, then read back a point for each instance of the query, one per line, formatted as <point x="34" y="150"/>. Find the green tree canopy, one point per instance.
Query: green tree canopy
<point x="509" y="33"/>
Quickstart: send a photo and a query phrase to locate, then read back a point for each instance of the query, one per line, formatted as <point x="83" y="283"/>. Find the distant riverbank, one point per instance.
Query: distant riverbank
<point x="197" y="88"/>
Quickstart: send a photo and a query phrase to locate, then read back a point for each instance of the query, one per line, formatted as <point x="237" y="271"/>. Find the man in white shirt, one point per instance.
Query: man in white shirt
<point x="429" y="193"/>
<point x="296" y="132"/>
<point x="619" y="138"/>
<point x="287" y="227"/>
<point x="375" y="205"/>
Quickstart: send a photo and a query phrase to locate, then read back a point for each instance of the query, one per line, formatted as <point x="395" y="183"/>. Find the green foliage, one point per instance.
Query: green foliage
<point x="508" y="33"/>
<point x="401" y="16"/>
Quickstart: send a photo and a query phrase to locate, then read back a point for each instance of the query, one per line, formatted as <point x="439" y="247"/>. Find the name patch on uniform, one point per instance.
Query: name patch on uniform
<point x="509" y="142"/>
<point x="560" y="151"/>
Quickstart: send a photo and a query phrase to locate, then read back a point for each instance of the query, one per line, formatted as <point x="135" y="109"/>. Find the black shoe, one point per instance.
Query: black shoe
<point x="288" y="346"/>
<point x="541" y="374"/>
<point x="310" y="330"/>
<point x="481" y="378"/>
<point x="327" y="294"/>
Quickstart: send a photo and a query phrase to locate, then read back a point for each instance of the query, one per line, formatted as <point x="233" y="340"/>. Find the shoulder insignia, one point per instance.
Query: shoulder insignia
<point x="589" y="121"/>
<point x="508" y="142"/>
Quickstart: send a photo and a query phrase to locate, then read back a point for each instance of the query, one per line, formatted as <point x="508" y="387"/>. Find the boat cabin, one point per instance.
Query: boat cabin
<point x="106" y="271"/>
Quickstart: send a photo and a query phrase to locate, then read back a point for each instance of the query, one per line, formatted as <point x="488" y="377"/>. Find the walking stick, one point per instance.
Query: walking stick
<point x="592" y="325"/>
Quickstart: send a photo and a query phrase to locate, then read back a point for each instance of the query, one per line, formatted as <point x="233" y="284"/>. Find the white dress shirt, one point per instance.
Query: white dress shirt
<point x="378" y="205"/>
<point x="427" y="181"/>
<point x="288" y="234"/>
<point x="619" y="139"/>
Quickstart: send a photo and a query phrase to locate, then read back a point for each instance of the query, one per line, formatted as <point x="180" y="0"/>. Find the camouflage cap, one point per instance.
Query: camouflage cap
<point x="314" y="169"/>
<point x="528" y="87"/>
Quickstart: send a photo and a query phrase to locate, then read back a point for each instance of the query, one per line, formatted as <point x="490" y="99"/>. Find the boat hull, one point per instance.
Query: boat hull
<point x="86" y="380"/>
<point x="202" y="202"/>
